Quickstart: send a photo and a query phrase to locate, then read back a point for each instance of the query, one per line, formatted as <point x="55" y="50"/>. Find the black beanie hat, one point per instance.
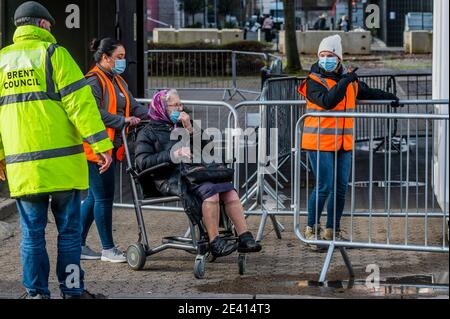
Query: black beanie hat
<point x="33" y="9"/>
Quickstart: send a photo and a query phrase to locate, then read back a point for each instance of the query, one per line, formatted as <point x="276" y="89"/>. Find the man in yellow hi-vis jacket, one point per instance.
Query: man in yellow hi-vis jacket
<point x="47" y="110"/>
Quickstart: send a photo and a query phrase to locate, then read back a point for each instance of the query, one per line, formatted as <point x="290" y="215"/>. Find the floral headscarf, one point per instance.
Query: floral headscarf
<point x="157" y="110"/>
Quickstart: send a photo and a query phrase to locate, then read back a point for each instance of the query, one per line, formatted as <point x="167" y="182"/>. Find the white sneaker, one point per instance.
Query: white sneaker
<point x="113" y="255"/>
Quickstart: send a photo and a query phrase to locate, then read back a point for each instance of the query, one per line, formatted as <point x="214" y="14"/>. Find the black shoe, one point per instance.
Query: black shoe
<point x="85" y="295"/>
<point x="221" y="248"/>
<point x="247" y="244"/>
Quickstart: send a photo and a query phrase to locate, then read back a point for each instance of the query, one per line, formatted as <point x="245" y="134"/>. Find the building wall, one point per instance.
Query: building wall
<point x="166" y="11"/>
<point x="153" y="12"/>
<point x="441" y="91"/>
<point x="394" y="18"/>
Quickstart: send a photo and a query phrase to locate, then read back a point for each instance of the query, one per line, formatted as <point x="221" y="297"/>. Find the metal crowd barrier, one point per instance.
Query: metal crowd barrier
<point x="411" y="218"/>
<point x="270" y="195"/>
<point x="273" y="193"/>
<point x="416" y="86"/>
<point x="284" y="89"/>
<point x="264" y="194"/>
<point x="233" y="72"/>
<point x="412" y="86"/>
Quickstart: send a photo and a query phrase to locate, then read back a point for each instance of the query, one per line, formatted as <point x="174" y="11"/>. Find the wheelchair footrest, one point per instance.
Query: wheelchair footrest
<point x="176" y="240"/>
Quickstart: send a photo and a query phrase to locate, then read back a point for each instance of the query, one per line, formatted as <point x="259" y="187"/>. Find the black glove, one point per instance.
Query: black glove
<point x="396" y="101"/>
<point x="351" y="77"/>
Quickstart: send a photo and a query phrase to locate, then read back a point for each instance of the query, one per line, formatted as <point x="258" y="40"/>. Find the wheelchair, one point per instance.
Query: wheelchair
<point x="195" y="241"/>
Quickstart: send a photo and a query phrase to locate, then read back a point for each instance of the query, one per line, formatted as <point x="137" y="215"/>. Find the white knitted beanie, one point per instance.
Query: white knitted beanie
<point x="332" y="44"/>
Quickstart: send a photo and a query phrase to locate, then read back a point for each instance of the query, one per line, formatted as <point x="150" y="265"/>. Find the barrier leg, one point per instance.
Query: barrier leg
<point x="277" y="226"/>
<point x="280" y="226"/>
<point x="242" y="95"/>
<point x="262" y="226"/>
<point x="347" y="261"/>
<point x="326" y="265"/>
<point x="225" y="92"/>
<point x="232" y="95"/>
<point x="237" y="92"/>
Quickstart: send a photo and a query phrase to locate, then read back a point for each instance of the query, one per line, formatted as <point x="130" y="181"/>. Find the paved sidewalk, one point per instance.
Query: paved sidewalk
<point x="285" y="268"/>
<point x="7" y="207"/>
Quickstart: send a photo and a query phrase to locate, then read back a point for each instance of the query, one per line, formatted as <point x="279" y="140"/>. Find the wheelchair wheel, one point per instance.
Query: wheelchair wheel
<point x="242" y="263"/>
<point x="136" y="256"/>
<point x="199" y="267"/>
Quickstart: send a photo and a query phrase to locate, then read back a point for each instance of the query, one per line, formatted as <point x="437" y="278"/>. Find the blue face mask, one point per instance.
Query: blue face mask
<point x="120" y="66"/>
<point x="329" y="64"/>
<point x="175" y="116"/>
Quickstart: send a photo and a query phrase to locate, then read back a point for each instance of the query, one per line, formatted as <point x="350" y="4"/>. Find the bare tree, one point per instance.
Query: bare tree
<point x="293" y="59"/>
<point x="192" y="7"/>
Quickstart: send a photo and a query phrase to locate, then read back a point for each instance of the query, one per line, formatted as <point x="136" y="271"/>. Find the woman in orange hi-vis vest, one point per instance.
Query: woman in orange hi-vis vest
<point x="117" y="107"/>
<point x="331" y="87"/>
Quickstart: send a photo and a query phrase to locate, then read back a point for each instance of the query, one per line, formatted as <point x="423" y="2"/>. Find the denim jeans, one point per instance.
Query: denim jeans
<point x="98" y="205"/>
<point x="33" y="211"/>
<point x="325" y="188"/>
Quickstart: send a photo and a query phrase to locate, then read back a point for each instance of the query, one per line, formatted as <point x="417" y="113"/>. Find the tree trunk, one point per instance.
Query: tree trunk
<point x="350" y="14"/>
<point x="293" y="59"/>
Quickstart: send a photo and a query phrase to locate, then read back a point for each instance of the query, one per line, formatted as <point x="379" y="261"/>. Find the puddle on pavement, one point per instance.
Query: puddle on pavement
<point x="421" y="285"/>
<point x="395" y="287"/>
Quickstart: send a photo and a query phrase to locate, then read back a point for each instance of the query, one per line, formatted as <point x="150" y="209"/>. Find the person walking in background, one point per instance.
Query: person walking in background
<point x="331" y="87"/>
<point x="46" y="110"/>
<point x="321" y="23"/>
<point x="117" y="108"/>
<point x="344" y="24"/>
<point x="267" y="28"/>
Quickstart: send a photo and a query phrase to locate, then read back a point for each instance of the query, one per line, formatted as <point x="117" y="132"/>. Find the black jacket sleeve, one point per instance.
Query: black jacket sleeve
<point x="136" y="109"/>
<point x="367" y="93"/>
<point x="327" y="99"/>
<point x="146" y="152"/>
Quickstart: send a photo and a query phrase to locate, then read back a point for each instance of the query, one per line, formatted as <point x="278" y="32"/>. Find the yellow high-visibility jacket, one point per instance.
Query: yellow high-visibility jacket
<point x="47" y="110"/>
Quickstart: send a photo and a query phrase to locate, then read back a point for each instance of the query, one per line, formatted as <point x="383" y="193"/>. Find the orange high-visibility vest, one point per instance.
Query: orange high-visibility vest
<point x="328" y="134"/>
<point x="109" y="100"/>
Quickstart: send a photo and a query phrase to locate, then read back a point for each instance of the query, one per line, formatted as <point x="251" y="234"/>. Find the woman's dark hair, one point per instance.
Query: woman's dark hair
<point x="105" y="46"/>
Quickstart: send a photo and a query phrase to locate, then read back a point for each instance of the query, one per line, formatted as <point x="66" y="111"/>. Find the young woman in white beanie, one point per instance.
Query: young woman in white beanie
<point x="331" y="87"/>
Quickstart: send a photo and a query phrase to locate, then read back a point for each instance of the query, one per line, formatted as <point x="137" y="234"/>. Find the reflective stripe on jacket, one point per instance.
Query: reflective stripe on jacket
<point x="329" y="134"/>
<point x="46" y="111"/>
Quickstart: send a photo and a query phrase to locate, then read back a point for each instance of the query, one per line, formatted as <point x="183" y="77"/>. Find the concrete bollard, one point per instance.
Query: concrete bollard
<point x="354" y="42"/>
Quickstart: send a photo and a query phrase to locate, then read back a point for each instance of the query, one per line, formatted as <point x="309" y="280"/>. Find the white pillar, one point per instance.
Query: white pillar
<point x="441" y="91"/>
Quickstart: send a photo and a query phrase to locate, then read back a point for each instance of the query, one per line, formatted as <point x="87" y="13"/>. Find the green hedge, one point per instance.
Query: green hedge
<point x="250" y="46"/>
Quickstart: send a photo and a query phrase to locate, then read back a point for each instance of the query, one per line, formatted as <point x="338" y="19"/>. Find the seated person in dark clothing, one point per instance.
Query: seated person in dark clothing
<point x="154" y="146"/>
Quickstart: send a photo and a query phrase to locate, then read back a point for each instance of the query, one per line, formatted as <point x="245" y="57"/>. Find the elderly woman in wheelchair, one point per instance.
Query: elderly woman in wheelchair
<point x="202" y="202"/>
